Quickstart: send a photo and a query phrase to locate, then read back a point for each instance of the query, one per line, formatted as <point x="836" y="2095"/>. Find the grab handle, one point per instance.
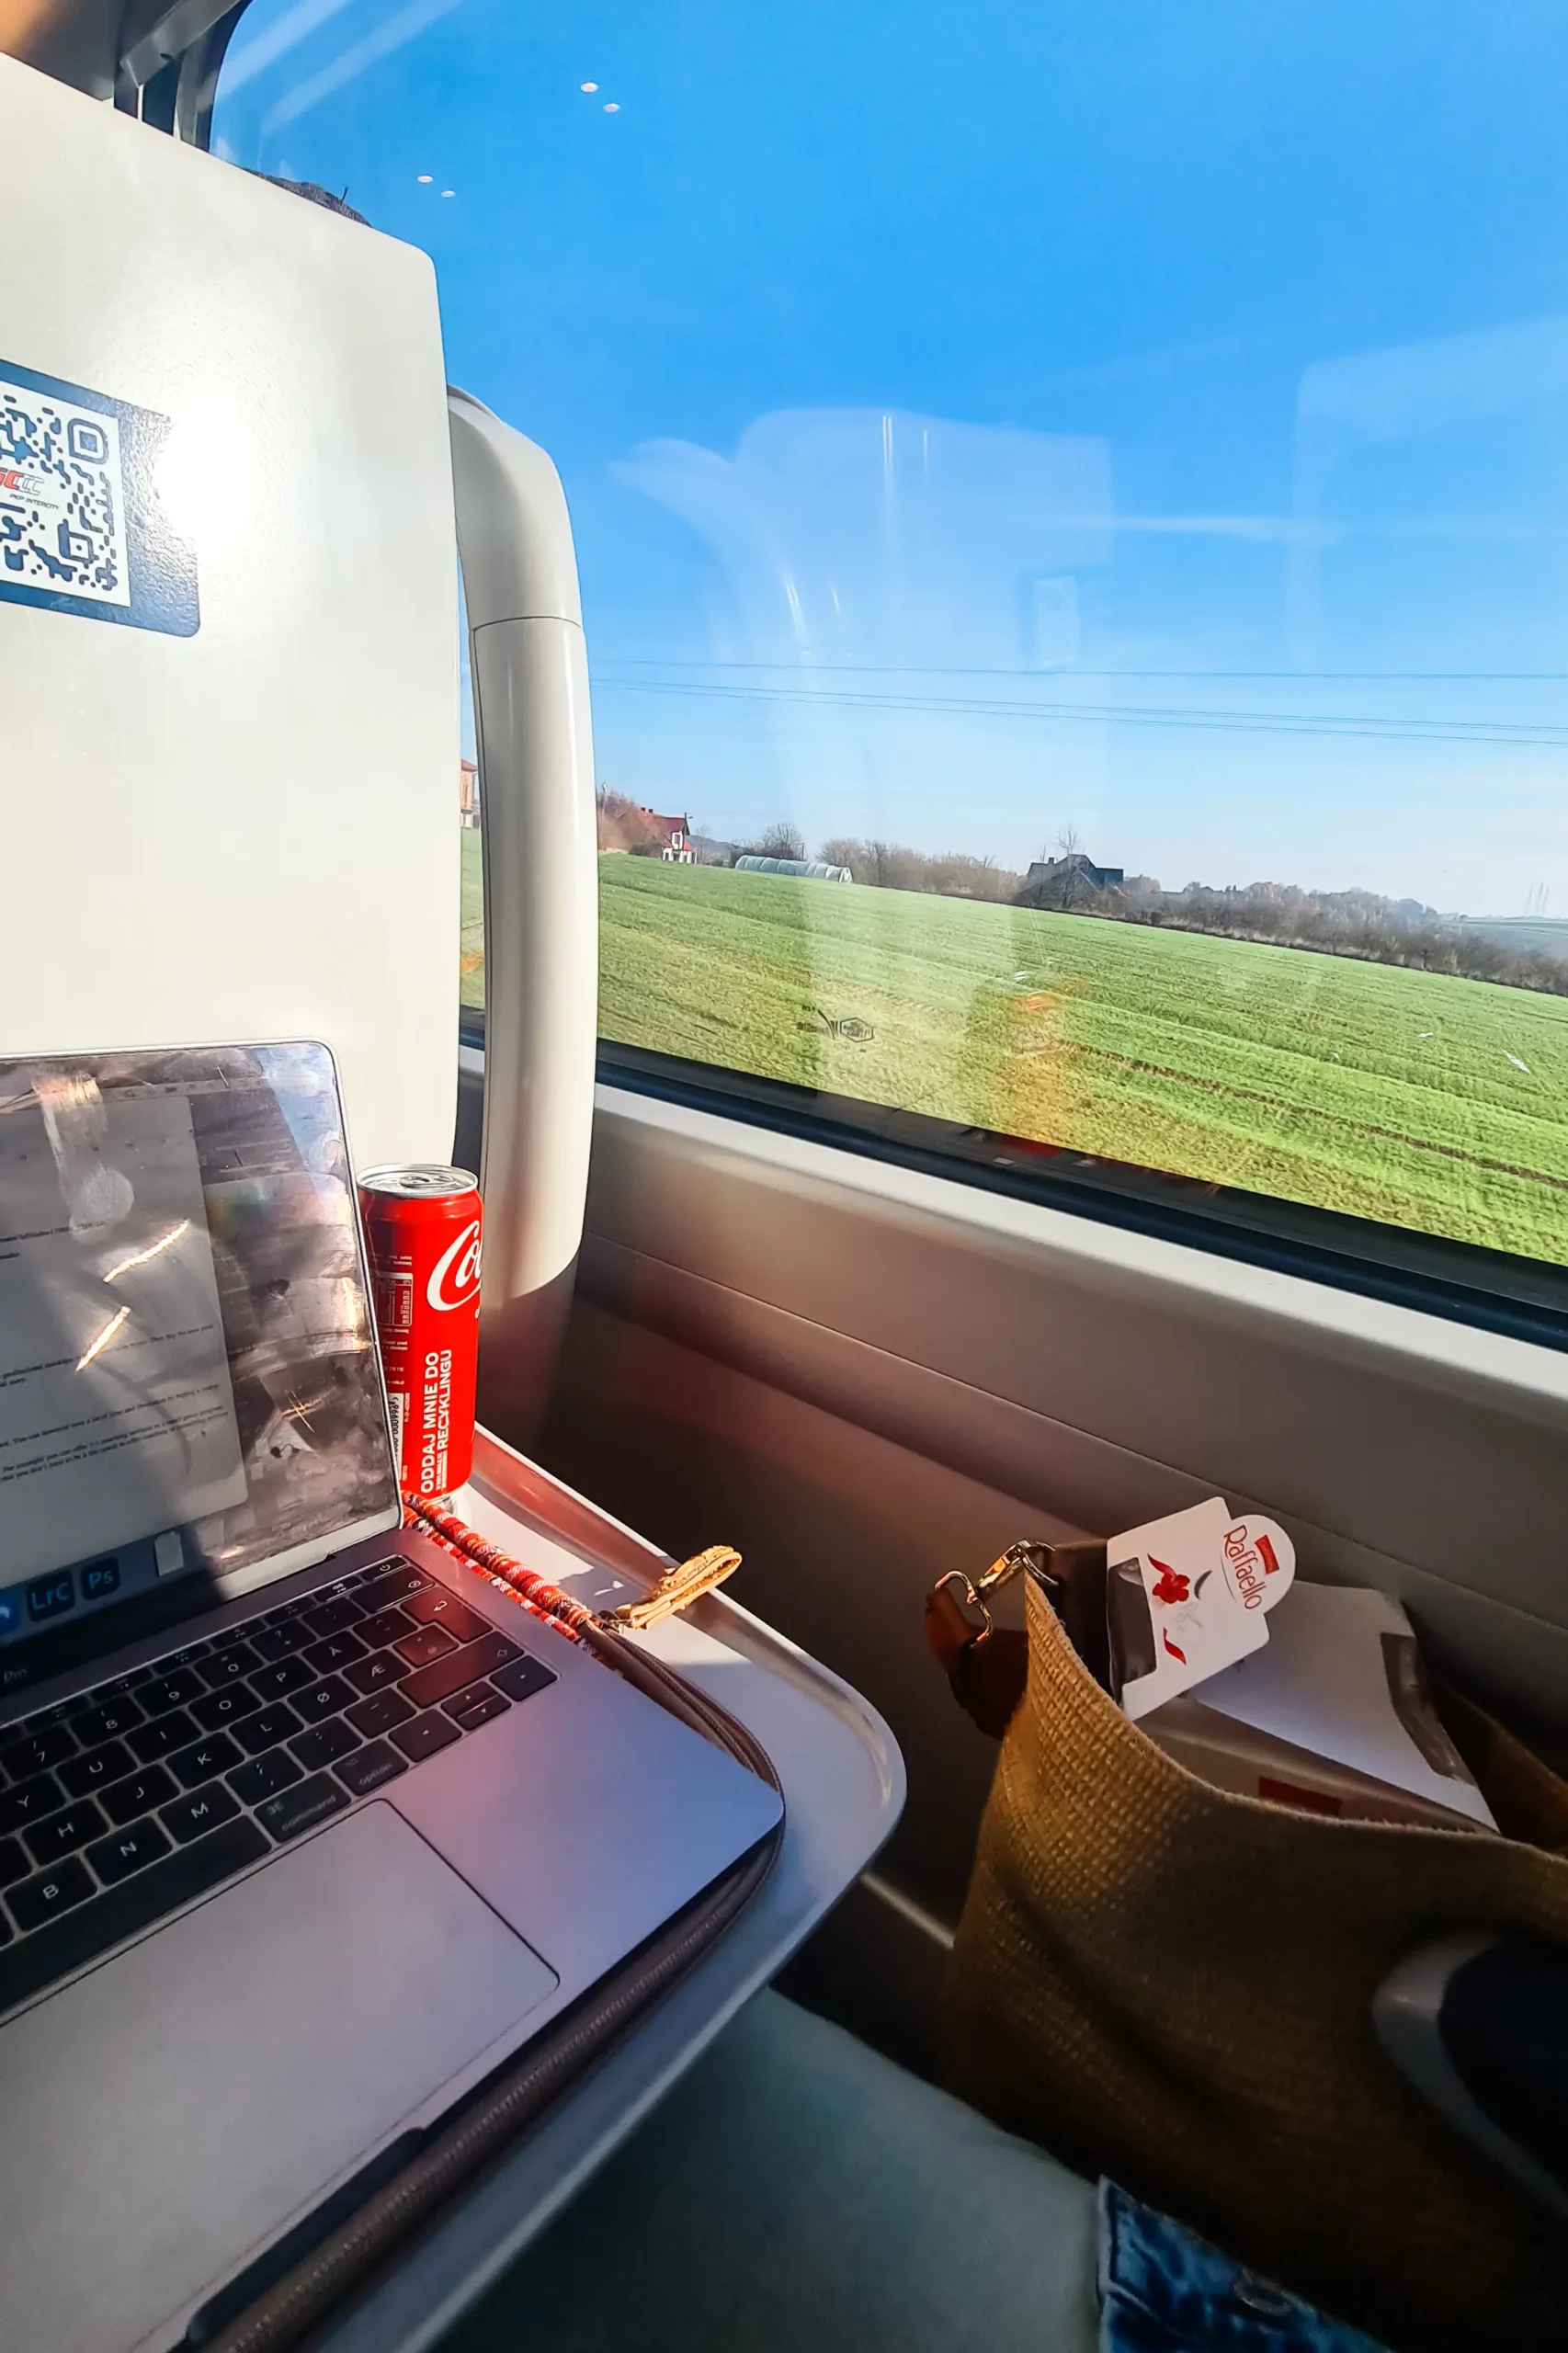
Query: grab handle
<point x="536" y="782"/>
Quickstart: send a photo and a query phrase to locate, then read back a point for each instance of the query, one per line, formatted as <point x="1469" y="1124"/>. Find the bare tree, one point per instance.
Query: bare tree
<point x="623" y="825"/>
<point x="781" y="840"/>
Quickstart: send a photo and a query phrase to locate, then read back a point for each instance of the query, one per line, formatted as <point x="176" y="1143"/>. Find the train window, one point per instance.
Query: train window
<point x="1073" y="510"/>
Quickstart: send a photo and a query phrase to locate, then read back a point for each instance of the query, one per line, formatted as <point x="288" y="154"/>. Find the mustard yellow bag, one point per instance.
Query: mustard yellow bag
<point x="1165" y="1983"/>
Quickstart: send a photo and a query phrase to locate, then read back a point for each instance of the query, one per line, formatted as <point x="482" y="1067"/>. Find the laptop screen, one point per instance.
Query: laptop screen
<point x="190" y="1387"/>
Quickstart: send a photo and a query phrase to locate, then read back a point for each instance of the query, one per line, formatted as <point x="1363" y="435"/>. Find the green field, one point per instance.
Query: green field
<point x="1428" y="1102"/>
<point x="471" y="953"/>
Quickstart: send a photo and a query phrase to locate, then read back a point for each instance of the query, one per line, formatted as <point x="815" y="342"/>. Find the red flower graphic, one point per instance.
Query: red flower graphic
<point x="1171" y="1585"/>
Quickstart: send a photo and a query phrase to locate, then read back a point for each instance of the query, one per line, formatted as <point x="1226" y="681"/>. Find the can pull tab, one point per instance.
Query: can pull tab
<point x="677" y="1588"/>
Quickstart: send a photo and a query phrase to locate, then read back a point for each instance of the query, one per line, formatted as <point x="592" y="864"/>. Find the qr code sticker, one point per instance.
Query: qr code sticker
<point x="63" y="520"/>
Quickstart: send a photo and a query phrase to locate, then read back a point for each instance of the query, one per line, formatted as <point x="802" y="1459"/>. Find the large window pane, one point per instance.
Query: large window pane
<point x="1099" y="474"/>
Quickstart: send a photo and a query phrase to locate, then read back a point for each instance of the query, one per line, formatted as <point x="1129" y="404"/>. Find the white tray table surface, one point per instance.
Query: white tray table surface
<point x="844" y="1786"/>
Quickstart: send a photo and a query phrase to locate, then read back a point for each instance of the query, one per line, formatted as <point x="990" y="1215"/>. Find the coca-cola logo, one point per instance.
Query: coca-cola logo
<point x="454" y="1277"/>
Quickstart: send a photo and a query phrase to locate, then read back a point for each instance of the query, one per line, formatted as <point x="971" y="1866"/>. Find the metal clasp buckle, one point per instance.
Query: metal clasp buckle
<point x="1028" y="1553"/>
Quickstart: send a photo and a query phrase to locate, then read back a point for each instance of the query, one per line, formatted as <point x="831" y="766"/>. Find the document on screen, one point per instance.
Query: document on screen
<point x="117" y="1411"/>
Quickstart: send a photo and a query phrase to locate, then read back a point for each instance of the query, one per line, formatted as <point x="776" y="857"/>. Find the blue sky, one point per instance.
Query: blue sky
<point x="1147" y="416"/>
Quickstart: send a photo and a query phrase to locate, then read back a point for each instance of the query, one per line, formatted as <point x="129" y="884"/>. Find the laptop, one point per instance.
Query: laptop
<point x="305" y="1827"/>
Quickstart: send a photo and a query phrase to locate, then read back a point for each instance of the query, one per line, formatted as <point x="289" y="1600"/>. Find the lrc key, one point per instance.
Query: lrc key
<point x="48" y="1597"/>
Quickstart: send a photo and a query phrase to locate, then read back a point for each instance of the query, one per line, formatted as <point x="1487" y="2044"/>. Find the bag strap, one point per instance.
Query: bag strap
<point x="987" y="1665"/>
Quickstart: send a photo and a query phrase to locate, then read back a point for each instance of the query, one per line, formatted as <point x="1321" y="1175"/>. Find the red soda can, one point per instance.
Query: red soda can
<point x="423" y="1228"/>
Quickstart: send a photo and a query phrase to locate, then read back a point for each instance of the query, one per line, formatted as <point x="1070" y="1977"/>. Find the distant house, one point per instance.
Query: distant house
<point x="675" y="838"/>
<point x="1073" y="880"/>
<point x="468" y="794"/>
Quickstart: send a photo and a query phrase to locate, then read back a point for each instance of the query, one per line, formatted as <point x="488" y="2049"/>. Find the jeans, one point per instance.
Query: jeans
<point x="1162" y="2290"/>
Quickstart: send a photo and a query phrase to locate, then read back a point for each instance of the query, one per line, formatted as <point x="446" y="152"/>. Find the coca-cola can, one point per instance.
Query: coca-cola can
<point x="423" y="1229"/>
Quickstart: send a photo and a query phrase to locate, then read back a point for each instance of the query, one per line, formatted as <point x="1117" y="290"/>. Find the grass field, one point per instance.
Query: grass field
<point x="1428" y="1102"/>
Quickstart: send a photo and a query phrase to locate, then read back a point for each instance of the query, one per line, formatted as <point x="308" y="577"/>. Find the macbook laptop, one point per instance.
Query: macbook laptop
<point x="305" y="1828"/>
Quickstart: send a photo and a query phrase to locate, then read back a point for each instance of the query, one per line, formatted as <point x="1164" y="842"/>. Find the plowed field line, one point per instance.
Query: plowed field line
<point x="1357" y="1127"/>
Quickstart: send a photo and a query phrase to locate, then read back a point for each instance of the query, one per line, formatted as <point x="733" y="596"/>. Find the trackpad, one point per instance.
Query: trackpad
<point x="165" y="2117"/>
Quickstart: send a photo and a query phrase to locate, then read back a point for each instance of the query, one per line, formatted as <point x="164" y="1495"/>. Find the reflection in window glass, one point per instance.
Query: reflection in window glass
<point x="1097" y="476"/>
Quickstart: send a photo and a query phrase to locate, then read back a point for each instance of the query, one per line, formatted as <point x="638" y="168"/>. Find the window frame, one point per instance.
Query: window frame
<point x="1492" y="1291"/>
<point x="1489" y="1290"/>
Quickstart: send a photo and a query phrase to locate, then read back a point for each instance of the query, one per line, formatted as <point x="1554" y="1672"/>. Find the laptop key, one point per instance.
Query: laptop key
<point x="63" y="1833"/>
<point x="375" y="1673"/>
<point x="169" y="1691"/>
<point x="283" y="1641"/>
<point x="385" y="1626"/>
<point x="368" y="1768"/>
<point x="220" y="1708"/>
<point x="432" y="1684"/>
<point x="30" y="1801"/>
<point x="523" y="1678"/>
<point x="380" y="1712"/>
<point x="277" y="1682"/>
<point x="154" y="1785"/>
<point x="35" y="1752"/>
<point x="332" y="1617"/>
<point x="323" y="1745"/>
<point x="149" y="1741"/>
<point x="471" y="1709"/>
<point x="425" y="1736"/>
<point x="109" y="1720"/>
<point x="124" y="1851"/>
<point x="205" y="1759"/>
<point x="83" y="1777"/>
<point x="14" y="1864"/>
<point x="186" y="1657"/>
<point x="43" y="1898"/>
<point x="264" y="1776"/>
<point x="323" y="1698"/>
<point x="273" y="1724"/>
<point x="301" y="1809"/>
<point x="395" y="1584"/>
<point x="436" y="1607"/>
<point x="232" y="1634"/>
<point x="65" y="1944"/>
<point x="227" y="1665"/>
<point x="202" y="1811"/>
<point x="426" y="1642"/>
<point x="334" y="1652"/>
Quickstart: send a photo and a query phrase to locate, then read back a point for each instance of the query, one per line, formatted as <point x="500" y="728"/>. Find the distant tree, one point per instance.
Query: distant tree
<point x="781" y="840"/>
<point x="623" y="825"/>
<point x="894" y="866"/>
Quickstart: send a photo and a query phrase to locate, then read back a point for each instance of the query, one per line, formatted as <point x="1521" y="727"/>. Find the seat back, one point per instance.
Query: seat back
<point x="229" y="719"/>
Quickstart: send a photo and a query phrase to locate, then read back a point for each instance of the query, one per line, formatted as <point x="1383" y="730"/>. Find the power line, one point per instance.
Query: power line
<point x="1027" y="670"/>
<point x="1497" y="735"/>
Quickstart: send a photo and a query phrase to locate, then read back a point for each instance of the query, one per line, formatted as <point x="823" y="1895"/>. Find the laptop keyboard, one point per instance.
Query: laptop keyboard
<point x="132" y="1799"/>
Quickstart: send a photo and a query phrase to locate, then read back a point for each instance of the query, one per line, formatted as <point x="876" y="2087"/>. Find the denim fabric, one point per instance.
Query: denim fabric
<point x="1162" y="2290"/>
